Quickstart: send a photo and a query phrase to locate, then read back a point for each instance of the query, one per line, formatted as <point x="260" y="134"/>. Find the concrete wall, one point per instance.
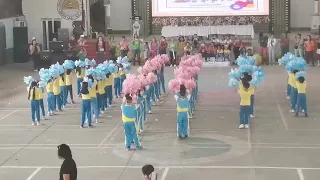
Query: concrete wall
<point x="120" y="15"/>
<point x="35" y="10"/>
<point x="301" y="12"/>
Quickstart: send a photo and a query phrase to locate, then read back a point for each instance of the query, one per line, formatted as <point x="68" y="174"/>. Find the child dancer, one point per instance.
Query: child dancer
<point x="116" y="81"/>
<point x="156" y="86"/>
<point x="161" y="81"/>
<point x="100" y="96"/>
<point x="93" y="98"/>
<point x="293" y="91"/>
<point x="182" y="112"/>
<point x="301" y="98"/>
<point x="69" y="85"/>
<point x="147" y="94"/>
<point x="63" y="90"/>
<point x="122" y="75"/>
<point x="57" y="92"/>
<point x="245" y="103"/>
<point x="86" y="105"/>
<point x="108" y="89"/>
<point x="41" y="105"/>
<point x="80" y="73"/>
<point x="140" y="111"/>
<point x="33" y="96"/>
<point x="50" y="97"/>
<point x="128" y="117"/>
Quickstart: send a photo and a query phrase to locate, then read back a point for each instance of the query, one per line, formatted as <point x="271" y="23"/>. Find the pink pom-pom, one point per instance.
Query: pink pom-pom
<point x="190" y="84"/>
<point x="152" y="78"/>
<point x="139" y="70"/>
<point x="156" y="66"/>
<point x="165" y="58"/>
<point x="143" y="80"/>
<point x="174" y="85"/>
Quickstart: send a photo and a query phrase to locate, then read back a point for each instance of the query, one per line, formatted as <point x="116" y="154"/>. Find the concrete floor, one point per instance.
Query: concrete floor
<point x="278" y="145"/>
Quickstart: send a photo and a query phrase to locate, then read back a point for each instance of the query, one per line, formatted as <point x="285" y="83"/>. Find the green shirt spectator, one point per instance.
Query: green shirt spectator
<point x="172" y="46"/>
<point x="136" y="44"/>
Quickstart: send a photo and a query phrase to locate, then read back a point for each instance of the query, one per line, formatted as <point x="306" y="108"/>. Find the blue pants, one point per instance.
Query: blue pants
<point x="122" y="78"/>
<point x="69" y="91"/>
<point x="151" y="91"/>
<point x="140" y="113"/>
<point x="41" y="106"/>
<point x="148" y="103"/>
<point x="130" y="133"/>
<point x="101" y="103"/>
<point x="288" y="90"/>
<point x="157" y="90"/>
<point x="117" y="86"/>
<point x="35" y="111"/>
<point x="301" y="103"/>
<point x="109" y="94"/>
<point x="86" y="112"/>
<point x="293" y="97"/>
<point x="57" y="101"/>
<point x="63" y="95"/>
<point x="244" y="114"/>
<point x="94" y="107"/>
<point x="161" y="76"/>
<point x="182" y="121"/>
<point x="145" y="110"/>
<point x="191" y="104"/>
<point x="50" y="101"/>
<point x="251" y="105"/>
<point x="79" y="81"/>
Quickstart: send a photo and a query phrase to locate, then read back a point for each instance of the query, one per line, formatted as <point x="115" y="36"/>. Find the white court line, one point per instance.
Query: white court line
<point x="282" y="117"/>
<point x="165" y="173"/>
<point x="171" y="167"/>
<point x="161" y="147"/>
<point x="9" y="114"/>
<point x="34" y="173"/>
<point x="110" y="134"/>
<point x="300" y="173"/>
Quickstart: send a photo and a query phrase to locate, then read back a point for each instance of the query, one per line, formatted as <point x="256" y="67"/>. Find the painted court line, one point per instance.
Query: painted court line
<point x="110" y="134"/>
<point x="300" y="173"/>
<point x="282" y="117"/>
<point x="171" y="167"/>
<point x="9" y="114"/>
<point x="165" y="173"/>
<point x="34" y="173"/>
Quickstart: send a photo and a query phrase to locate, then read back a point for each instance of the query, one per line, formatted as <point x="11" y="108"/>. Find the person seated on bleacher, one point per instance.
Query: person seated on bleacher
<point x="226" y="53"/>
<point x="249" y="52"/>
<point x="187" y="49"/>
<point x="195" y="41"/>
<point x="212" y="50"/>
<point x="204" y="51"/>
<point x="243" y="50"/>
<point x="220" y="54"/>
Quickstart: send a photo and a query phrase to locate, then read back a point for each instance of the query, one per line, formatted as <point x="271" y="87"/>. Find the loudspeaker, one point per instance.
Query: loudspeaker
<point x="45" y="59"/>
<point x="56" y="46"/>
<point x="63" y="34"/>
<point x="20" y="44"/>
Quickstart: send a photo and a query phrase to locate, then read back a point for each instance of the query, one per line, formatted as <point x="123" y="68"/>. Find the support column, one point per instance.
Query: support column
<point x="315" y="22"/>
<point x="316" y="7"/>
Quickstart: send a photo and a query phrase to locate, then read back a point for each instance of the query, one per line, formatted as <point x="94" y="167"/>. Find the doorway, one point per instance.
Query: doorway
<point x="97" y="16"/>
<point x="49" y="31"/>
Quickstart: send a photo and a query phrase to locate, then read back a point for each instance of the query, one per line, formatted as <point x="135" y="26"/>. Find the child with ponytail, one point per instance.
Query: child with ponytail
<point x="129" y="117"/>
<point x="301" y="97"/>
<point x="86" y="104"/>
<point x="80" y="73"/>
<point x="182" y="112"/>
<point x="117" y="83"/>
<point x="93" y="89"/>
<point x="34" y="97"/>
<point x="69" y="85"/>
<point x="293" y="91"/>
<point x="101" y="96"/>
<point x="108" y="89"/>
<point x="41" y="104"/>
<point x="50" y="97"/>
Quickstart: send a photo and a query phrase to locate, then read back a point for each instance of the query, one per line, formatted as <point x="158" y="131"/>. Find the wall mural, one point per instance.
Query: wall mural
<point x="159" y="22"/>
<point x="10" y="8"/>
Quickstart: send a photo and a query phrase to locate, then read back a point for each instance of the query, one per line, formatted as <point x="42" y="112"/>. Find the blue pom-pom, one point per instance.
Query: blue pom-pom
<point x="80" y="63"/>
<point x="300" y="74"/>
<point x="68" y="64"/>
<point x="233" y="83"/>
<point x="28" y="80"/>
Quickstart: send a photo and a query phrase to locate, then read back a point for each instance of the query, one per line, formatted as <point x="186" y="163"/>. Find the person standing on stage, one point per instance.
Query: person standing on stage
<point x="34" y="50"/>
<point x="100" y="47"/>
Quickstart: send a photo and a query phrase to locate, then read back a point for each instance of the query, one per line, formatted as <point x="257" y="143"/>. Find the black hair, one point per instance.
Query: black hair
<point x="309" y="37"/>
<point x="246" y="77"/>
<point x="301" y="79"/>
<point x="246" y="84"/>
<point x="128" y="98"/>
<point x="62" y="76"/>
<point x="91" y="78"/>
<point x="33" y="86"/>
<point x="69" y="71"/>
<point x="299" y="34"/>
<point x="260" y="34"/>
<point x="120" y="65"/>
<point x="64" y="151"/>
<point x="295" y="71"/>
<point x="84" y="88"/>
<point x="147" y="170"/>
<point x="183" y="92"/>
<point x="78" y="70"/>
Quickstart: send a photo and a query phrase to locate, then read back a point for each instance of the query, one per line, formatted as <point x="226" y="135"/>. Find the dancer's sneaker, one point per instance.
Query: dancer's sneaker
<point x="180" y="137"/>
<point x="38" y="123"/>
<point x="306" y="115"/>
<point x="33" y="124"/>
<point x="288" y="97"/>
<point x="81" y="126"/>
<point x="97" y="121"/>
<point x="251" y="116"/>
<point x="241" y="126"/>
<point x="246" y="126"/>
<point x="149" y="112"/>
<point x="292" y="110"/>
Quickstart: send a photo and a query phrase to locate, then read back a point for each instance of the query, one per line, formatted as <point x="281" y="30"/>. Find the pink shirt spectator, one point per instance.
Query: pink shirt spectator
<point x="124" y="45"/>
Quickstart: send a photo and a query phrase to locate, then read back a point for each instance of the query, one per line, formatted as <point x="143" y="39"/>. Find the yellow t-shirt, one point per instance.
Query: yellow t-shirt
<point x="251" y="89"/>
<point x="220" y="51"/>
<point x="86" y="96"/>
<point x="93" y="91"/>
<point x="56" y="86"/>
<point x="245" y="97"/>
<point x="108" y="81"/>
<point x="49" y="87"/>
<point x="121" y="72"/>
<point x="68" y="80"/>
<point x="41" y="94"/>
<point x="37" y="92"/>
<point x="227" y="52"/>
<point x="101" y="87"/>
<point x="82" y="73"/>
<point x="294" y="82"/>
<point x="62" y="82"/>
<point x="291" y="77"/>
<point x="301" y="87"/>
<point x="116" y="75"/>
